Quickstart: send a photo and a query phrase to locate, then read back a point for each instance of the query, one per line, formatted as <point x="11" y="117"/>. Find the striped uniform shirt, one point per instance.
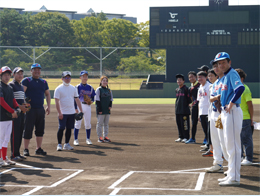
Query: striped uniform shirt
<point x="18" y="91"/>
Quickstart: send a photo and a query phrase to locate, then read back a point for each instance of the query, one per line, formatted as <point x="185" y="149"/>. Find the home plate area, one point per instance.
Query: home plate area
<point x="155" y="180"/>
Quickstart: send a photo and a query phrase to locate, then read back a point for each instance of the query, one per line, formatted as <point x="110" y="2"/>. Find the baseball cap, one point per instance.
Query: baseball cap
<point x="5" y="69"/>
<point x="17" y="69"/>
<point x="66" y="73"/>
<point x="179" y="76"/>
<point x="83" y="72"/>
<point x="203" y="68"/>
<point x="221" y="56"/>
<point x="35" y="65"/>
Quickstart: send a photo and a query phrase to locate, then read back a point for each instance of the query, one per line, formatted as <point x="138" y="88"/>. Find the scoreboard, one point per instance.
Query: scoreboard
<point x="208" y="30"/>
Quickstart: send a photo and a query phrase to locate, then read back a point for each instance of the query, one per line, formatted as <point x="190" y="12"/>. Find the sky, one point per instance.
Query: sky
<point x="133" y="8"/>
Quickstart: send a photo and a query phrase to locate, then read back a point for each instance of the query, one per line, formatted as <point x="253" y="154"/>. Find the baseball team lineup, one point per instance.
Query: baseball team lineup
<point x="218" y="93"/>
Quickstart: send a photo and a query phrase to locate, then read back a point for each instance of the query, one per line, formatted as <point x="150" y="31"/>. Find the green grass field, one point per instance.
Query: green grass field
<point x="150" y="101"/>
<point x="113" y="83"/>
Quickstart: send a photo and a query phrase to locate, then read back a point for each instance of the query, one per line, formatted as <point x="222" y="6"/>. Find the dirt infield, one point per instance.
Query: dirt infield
<point x="142" y="159"/>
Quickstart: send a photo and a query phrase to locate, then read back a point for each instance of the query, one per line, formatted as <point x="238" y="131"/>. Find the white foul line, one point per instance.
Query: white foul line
<point x="67" y="178"/>
<point x="200" y="181"/>
<point x="121" y="180"/>
<point x="34" y="190"/>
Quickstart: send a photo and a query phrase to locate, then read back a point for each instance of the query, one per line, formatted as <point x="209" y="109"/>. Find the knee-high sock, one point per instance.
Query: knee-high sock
<point x="4" y="152"/>
<point x="76" y="133"/>
<point x="88" y="131"/>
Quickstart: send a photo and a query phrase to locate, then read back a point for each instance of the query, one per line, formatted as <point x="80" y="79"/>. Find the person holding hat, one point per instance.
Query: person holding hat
<point x="64" y="95"/>
<point x="86" y="92"/>
<point x="8" y="105"/>
<point x="182" y="109"/>
<point x="18" y="123"/>
<point x="36" y="88"/>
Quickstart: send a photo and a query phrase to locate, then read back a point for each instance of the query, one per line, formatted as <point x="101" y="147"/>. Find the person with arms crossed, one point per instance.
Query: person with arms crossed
<point x="64" y="95"/>
<point x="8" y="105"/>
<point x="193" y="90"/>
<point x="18" y="123"/>
<point x="248" y="113"/>
<point x="35" y="88"/>
<point x="231" y="117"/>
<point x="182" y="110"/>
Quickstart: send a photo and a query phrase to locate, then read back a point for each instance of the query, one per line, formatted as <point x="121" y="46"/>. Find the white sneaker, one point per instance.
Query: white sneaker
<point x="67" y="147"/>
<point x="76" y="142"/>
<point x="59" y="147"/>
<point x="246" y="162"/>
<point x="225" y="173"/>
<point x="8" y="162"/>
<point x="223" y="179"/>
<point x="204" y="146"/>
<point x="184" y="140"/>
<point x="88" y="141"/>
<point x="215" y="169"/>
<point x="229" y="183"/>
<point x="178" y="140"/>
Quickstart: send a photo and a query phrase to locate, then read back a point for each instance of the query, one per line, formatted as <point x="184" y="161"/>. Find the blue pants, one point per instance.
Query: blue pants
<point x="246" y="140"/>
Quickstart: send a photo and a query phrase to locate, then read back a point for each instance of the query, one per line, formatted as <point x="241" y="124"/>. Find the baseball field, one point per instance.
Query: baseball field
<point x="142" y="159"/>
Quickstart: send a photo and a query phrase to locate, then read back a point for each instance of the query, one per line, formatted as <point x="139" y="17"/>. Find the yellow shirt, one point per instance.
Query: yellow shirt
<point x="246" y="96"/>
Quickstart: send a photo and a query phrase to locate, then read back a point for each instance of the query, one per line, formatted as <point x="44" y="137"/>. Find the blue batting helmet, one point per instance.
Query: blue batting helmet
<point x="221" y="56"/>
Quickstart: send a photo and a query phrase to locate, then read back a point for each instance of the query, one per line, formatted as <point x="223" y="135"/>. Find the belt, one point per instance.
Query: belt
<point x="224" y="107"/>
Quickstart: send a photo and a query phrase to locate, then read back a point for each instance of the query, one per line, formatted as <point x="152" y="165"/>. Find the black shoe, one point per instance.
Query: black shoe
<point x="22" y="157"/>
<point x="40" y="151"/>
<point x="204" y="150"/>
<point x="26" y="152"/>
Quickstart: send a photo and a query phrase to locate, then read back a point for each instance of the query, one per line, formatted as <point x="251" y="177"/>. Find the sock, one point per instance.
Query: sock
<point x="88" y="131"/>
<point x="76" y="133"/>
<point x="4" y="152"/>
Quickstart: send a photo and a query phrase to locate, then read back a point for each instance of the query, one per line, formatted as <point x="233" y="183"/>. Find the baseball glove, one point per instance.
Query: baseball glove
<point x="218" y="123"/>
<point x="87" y="99"/>
<point x="79" y="116"/>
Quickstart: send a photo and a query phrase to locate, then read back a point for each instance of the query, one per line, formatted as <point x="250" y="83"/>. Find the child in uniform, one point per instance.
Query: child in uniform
<point x="104" y="98"/>
<point x="85" y="91"/>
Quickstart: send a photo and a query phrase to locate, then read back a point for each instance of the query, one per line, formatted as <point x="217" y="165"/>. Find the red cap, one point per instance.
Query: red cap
<point x="5" y="69"/>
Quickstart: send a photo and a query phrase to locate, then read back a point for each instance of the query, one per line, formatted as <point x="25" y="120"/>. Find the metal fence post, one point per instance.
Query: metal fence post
<point x="100" y="62"/>
<point x="33" y="55"/>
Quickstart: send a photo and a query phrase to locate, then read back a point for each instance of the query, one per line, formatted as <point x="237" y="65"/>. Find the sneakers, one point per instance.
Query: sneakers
<point x="205" y="141"/>
<point x="17" y="159"/>
<point x="88" y="141"/>
<point x="215" y="169"/>
<point x="225" y="173"/>
<point x="184" y="140"/>
<point x="67" y="147"/>
<point x="178" y="140"/>
<point x="204" y="149"/>
<point x="245" y="162"/>
<point x="100" y="139"/>
<point x="209" y="153"/>
<point x="191" y="141"/>
<point x="204" y="146"/>
<point x="26" y="152"/>
<point x="106" y="139"/>
<point x="40" y="151"/>
<point x="76" y="142"/>
<point x="22" y="157"/>
<point x="229" y="183"/>
<point x="59" y="147"/>
<point x="7" y="162"/>
<point x="223" y="179"/>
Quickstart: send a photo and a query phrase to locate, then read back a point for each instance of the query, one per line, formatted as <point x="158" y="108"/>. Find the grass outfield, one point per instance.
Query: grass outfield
<point x="113" y="83"/>
<point x="150" y="101"/>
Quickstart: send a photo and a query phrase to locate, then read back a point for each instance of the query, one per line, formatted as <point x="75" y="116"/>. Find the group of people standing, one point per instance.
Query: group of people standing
<point x="22" y="110"/>
<point x="215" y="93"/>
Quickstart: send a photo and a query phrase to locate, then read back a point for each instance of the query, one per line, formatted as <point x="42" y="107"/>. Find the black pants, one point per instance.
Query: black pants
<point x="194" y="120"/>
<point x="204" y="124"/>
<point x="183" y="123"/>
<point x="17" y="135"/>
<point x="209" y="137"/>
<point x="68" y="123"/>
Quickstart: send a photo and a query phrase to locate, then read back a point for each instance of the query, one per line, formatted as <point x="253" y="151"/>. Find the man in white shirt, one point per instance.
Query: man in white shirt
<point x="64" y="95"/>
<point x="204" y="103"/>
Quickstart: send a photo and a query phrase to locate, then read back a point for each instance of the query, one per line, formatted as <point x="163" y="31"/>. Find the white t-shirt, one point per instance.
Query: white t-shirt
<point x="66" y="95"/>
<point x="203" y="98"/>
<point x="210" y="104"/>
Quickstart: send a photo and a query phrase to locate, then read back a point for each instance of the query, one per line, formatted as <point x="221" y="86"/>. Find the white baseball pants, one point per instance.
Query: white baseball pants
<point x="217" y="139"/>
<point x="102" y="125"/>
<point x="87" y="117"/>
<point x="232" y="126"/>
<point x="5" y="133"/>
